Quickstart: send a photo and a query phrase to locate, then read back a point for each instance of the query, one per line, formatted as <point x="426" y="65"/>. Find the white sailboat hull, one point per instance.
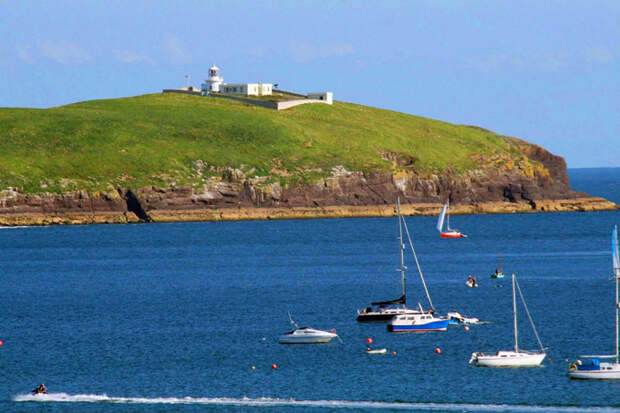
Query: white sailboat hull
<point x="508" y="359"/>
<point x="607" y="371"/>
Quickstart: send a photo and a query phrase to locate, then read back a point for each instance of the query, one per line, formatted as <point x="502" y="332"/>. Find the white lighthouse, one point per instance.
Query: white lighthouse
<point x="213" y="82"/>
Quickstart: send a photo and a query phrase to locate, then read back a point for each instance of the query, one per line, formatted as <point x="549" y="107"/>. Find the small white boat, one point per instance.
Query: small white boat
<point x="376" y="351"/>
<point x="449" y="232"/>
<point x="306" y="335"/>
<point x="595" y="369"/>
<point x="516" y="357"/>
<point x="455" y="317"/>
<point x="471" y="282"/>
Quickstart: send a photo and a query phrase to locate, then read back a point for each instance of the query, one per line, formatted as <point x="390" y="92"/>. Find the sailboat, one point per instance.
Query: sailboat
<point x="414" y="321"/>
<point x="444" y="215"/>
<point x="498" y="271"/>
<point x="395" y="309"/>
<point x="517" y="357"/>
<point x="594" y="368"/>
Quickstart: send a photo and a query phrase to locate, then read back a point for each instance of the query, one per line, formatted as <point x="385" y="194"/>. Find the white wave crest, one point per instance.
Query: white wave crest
<point x="276" y="402"/>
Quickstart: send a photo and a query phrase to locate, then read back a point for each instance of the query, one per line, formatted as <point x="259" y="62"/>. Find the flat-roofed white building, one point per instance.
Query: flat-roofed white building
<point x="247" y="89"/>
<point x="327" y="97"/>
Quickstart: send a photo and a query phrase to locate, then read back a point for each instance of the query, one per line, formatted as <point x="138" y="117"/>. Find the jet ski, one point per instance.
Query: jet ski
<point x="42" y="389"/>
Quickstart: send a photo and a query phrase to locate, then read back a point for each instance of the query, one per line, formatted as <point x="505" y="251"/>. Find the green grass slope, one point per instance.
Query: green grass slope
<point x="157" y="140"/>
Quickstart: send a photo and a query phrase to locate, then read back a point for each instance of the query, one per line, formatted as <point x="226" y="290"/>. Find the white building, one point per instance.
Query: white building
<point x="327" y="97"/>
<point x="247" y="89"/>
<point x="215" y="83"/>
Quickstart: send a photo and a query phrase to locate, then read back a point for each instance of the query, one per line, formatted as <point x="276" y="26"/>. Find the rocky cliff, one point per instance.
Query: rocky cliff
<point x="538" y="183"/>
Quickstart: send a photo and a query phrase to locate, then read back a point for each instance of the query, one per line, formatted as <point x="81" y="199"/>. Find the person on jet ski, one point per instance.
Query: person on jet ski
<point x="42" y="389"/>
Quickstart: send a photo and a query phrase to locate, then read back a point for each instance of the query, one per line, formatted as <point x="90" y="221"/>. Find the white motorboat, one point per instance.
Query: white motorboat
<point x="516" y="357"/>
<point x="376" y="351"/>
<point x="595" y="369"/>
<point x="306" y="335"/>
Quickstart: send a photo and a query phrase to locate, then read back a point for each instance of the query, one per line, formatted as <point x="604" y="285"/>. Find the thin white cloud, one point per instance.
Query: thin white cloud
<point x="128" y="56"/>
<point x="64" y="52"/>
<point x="599" y="54"/>
<point x="175" y="50"/>
<point x="546" y="62"/>
<point x="304" y="52"/>
<point x="25" y="53"/>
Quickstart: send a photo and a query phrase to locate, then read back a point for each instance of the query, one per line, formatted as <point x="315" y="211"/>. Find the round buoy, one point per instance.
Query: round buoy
<point x="438" y="350"/>
<point x="466" y="328"/>
<point x="393" y="352"/>
<point x="274" y="366"/>
<point x="334" y="330"/>
<point x="1" y="343"/>
<point x="253" y="367"/>
<point x="369" y="340"/>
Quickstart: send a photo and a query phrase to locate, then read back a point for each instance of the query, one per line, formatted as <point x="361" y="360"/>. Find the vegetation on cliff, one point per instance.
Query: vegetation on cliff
<point x="175" y="140"/>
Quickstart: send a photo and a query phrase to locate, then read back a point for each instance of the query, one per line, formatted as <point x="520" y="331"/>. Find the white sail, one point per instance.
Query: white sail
<point x="442" y="216"/>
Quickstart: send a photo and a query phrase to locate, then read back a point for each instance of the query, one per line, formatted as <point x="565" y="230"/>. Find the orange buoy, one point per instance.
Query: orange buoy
<point x="369" y="340"/>
<point x="274" y="366"/>
<point x="393" y="352"/>
<point x="1" y="343"/>
<point x="334" y="330"/>
<point x="438" y="350"/>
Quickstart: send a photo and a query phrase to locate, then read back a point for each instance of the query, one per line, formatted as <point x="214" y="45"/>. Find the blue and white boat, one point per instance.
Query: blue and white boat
<point x="593" y="368"/>
<point x="418" y="320"/>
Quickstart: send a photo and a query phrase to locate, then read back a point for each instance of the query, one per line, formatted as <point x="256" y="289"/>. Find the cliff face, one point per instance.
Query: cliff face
<point x="533" y="184"/>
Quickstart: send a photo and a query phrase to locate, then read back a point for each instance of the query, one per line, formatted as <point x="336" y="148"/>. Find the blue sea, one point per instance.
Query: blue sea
<point x="172" y="317"/>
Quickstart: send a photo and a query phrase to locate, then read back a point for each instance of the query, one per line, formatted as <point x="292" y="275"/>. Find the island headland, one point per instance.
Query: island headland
<point x="183" y="157"/>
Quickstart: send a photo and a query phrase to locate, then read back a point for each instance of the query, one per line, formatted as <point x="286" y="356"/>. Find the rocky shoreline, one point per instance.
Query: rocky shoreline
<point x="268" y="213"/>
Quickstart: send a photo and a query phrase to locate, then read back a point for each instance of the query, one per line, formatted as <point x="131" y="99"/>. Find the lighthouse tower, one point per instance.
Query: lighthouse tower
<point x="213" y="82"/>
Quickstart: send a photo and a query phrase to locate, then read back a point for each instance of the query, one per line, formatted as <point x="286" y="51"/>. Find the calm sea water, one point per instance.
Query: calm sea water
<point x="172" y="317"/>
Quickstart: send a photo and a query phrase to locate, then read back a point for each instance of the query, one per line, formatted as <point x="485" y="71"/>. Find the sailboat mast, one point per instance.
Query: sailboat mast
<point x="514" y="313"/>
<point x="448" y="216"/>
<point x="616" y="261"/>
<point x="401" y="247"/>
<point x="616" y="276"/>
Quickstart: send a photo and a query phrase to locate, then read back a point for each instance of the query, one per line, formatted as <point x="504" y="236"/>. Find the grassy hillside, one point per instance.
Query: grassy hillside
<point x="157" y="139"/>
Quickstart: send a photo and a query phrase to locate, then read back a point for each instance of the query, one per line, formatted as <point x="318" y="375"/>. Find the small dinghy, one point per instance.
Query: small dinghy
<point x="471" y="282"/>
<point x="376" y="350"/>
<point x="455" y="317"/>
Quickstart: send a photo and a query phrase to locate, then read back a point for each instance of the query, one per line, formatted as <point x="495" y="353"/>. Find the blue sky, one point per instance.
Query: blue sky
<point x="545" y="71"/>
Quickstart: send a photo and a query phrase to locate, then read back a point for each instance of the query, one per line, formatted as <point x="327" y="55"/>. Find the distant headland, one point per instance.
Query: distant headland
<point x="181" y="157"/>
